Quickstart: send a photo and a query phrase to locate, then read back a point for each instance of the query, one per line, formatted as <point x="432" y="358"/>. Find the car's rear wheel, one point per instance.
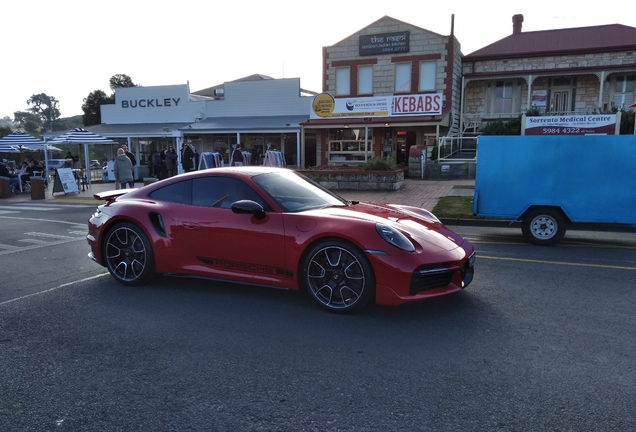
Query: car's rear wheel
<point x="338" y="276"/>
<point x="128" y="254"/>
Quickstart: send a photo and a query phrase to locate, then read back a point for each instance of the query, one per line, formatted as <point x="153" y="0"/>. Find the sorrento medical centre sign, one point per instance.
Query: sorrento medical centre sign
<point x="325" y="105"/>
<point x="576" y="124"/>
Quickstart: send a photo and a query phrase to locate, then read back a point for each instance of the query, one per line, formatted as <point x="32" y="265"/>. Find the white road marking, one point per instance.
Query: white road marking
<point x="47" y="235"/>
<point x="34" y="241"/>
<point x="53" y="289"/>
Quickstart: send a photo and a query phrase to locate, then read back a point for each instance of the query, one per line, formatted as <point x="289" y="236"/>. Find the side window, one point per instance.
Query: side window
<point x="402" y="77"/>
<point x="180" y="193"/>
<point x="343" y="81"/>
<point x="222" y="192"/>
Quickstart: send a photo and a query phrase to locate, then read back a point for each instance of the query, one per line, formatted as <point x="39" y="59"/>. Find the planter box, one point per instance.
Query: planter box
<point x="357" y="179"/>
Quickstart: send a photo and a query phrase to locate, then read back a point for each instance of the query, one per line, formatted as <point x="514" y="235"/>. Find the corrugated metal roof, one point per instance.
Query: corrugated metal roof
<point x="247" y="123"/>
<point x="136" y="129"/>
<point x="612" y="37"/>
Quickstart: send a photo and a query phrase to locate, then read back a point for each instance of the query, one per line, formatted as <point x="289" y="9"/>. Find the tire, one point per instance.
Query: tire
<point x="128" y="254"/>
<point x="543" y="226"/>
<point x="338" y="276"/>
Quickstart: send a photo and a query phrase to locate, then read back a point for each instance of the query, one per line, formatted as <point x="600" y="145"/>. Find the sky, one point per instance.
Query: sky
<point x="69" y="48"/>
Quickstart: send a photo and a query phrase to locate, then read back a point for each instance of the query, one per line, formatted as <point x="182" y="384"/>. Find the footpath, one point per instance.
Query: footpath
<point x="417" y="193"/>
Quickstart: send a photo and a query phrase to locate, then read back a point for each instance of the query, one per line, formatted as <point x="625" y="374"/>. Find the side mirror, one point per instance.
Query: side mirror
<point x="249" y="207"/>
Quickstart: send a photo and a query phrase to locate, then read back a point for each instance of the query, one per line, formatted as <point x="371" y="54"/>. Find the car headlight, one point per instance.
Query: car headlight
<point x="395" y="237"/>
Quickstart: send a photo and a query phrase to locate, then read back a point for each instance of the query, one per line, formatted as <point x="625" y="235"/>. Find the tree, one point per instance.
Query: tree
<point x="121" y="80"/>
<point x="91" y="107"/>
<point x="4" y="131"/>
<point x="21" y="118"/>
<point x="45" y="107"/>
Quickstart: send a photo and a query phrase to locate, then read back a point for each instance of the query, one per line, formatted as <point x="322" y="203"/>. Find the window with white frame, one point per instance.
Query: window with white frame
<point x="402" y="77"/>
<point x="365" y="79"/>
<point x="428" y="71"/>
<point x="623" y="91"/>
<point x="343" y="81"/>
<point x="503" y="97"/>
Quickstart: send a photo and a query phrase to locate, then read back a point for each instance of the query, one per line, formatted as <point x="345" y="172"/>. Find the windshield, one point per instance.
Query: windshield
<point x="294" y="192"/>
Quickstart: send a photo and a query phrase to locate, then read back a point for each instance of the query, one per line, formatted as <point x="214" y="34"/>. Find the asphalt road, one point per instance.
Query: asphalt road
<point x="543" y="339"/>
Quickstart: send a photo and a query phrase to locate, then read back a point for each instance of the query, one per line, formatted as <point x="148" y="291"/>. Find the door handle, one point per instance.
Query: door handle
<point x="190" y="225"/>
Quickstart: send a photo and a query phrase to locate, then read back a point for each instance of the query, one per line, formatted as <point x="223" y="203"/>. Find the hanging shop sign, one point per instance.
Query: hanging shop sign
<point x="384" y="43"/>
<point x="326" y="106"/>
<point x="577" y="124"/>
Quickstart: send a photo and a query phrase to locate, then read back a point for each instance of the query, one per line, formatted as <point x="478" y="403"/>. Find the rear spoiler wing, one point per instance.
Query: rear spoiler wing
<point x="110" y="196"/>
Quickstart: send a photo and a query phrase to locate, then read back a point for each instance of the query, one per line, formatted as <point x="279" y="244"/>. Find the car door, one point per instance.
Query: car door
<point x="233" y="246"/>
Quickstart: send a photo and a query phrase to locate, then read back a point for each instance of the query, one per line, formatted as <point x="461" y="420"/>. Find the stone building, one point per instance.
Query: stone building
<point x="582" y="70"/>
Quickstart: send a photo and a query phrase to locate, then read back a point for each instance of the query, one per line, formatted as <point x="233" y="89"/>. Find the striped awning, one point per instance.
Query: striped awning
<point x="19" y="138"/>
<point x="80" y="136"/>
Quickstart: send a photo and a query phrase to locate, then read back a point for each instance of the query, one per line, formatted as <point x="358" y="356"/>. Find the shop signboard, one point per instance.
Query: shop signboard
<point x="384" y="43"/>
<point x="325" y="105"/>
<point x="572" y="124"/>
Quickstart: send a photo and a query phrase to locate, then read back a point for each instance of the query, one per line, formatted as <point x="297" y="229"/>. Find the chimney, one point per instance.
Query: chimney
<point x="517" y="21"/>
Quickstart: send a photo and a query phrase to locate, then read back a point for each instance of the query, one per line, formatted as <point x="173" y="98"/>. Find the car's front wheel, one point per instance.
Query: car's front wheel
<point x="338" y="276"/>
<point x="128" y="254"/>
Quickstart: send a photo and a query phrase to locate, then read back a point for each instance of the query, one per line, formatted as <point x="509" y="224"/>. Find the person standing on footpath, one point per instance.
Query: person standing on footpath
<point x="171" y="161"/>
<point x="157" y="163"/>
<point x="129" y="155"/>
<point x="196" y="158"/>
<point x="186" y="156"/>
<point x="123" y="170"/>
<point x="237" y="156"/>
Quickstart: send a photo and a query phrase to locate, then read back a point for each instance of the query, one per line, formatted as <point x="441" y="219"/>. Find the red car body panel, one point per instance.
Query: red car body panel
<point x="220" y="244"/>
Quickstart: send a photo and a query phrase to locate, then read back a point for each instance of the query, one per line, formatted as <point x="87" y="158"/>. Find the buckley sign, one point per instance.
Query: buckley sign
<point x="150" y="103"/>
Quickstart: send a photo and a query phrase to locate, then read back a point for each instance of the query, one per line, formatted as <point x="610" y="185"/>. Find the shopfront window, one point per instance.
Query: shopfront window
<point x="349" y="146"/>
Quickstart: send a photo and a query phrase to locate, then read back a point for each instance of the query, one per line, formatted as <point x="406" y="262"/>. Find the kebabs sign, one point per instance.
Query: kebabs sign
<point x="325" y="106"/>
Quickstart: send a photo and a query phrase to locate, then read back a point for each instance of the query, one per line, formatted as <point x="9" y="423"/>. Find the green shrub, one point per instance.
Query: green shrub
<point x="380" y="164"/>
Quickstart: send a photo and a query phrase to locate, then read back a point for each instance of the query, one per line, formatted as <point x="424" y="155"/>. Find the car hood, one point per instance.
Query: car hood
<point x="417" y="223"/>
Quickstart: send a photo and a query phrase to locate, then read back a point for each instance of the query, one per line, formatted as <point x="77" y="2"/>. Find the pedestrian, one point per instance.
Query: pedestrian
<point x="186" y="156"/>
<point x="156" y="164"/>
<point x="237" y="156"/>
<point x="129" y="155"/>
<point x="14" y="181"/>
<point x="196" y="158"/>
<point x="171" y="161"/>
<point x="123" y="170"/>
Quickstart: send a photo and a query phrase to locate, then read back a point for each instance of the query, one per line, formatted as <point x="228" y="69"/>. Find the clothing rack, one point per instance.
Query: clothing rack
<point x="274" y="158"/>
<point x="210" y="160"/>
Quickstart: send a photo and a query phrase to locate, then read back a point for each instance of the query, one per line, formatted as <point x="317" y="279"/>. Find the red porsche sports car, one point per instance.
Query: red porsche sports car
<point x="274" y="227"/>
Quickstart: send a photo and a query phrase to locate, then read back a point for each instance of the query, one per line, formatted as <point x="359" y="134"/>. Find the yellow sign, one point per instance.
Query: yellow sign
<point x="324" y="105"/>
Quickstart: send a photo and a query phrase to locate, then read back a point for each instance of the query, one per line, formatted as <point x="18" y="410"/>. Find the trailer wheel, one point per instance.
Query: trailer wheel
<point x="543" y="226"/>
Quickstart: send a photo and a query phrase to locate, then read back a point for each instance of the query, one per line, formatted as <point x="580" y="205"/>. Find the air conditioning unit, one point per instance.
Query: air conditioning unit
<point x="219" y="92"/>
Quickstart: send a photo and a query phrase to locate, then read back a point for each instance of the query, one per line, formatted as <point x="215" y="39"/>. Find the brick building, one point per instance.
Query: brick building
<point x="388" y="87"/>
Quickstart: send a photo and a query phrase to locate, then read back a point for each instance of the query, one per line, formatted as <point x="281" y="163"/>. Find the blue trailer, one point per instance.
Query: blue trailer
<point x="551" y="182"/>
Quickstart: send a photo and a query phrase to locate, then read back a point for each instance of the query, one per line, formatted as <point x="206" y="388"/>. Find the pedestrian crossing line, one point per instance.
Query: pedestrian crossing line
<point x="34" y="241"/>
<point x="3" y="212"/>
<point x="53" y="236"/>
<point x="21" y="207"/>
